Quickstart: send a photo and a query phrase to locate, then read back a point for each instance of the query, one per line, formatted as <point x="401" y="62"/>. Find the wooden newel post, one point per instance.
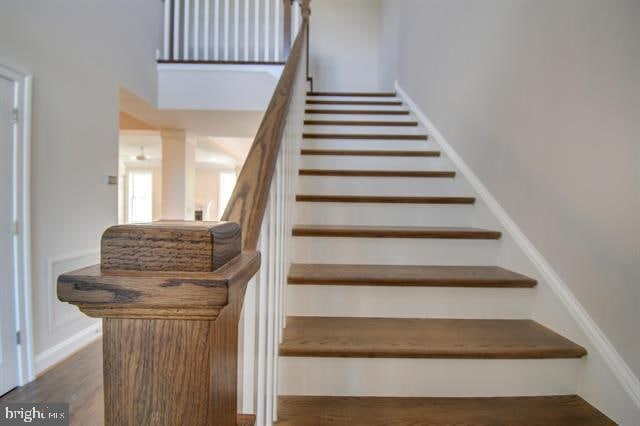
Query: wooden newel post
<point x="170" y="295"/>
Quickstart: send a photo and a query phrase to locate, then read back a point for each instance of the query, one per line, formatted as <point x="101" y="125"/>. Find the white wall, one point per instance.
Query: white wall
<point x="79" y="54"/>
<point x="343" y="45"/>
<point x="217" y="87"/>
<point x="542" y="100"/>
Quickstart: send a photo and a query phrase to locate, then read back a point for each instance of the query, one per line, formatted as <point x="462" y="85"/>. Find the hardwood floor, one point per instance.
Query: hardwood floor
<point x="77" y="380"/>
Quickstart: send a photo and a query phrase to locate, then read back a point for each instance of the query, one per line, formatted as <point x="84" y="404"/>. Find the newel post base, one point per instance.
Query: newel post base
<point x="170" y="295"/>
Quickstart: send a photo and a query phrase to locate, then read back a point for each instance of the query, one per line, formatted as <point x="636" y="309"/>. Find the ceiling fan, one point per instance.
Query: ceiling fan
<point x="142" y="156"/>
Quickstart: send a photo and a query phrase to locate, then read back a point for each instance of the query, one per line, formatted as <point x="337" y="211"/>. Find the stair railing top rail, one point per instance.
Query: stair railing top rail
<point x="249" y="199"/>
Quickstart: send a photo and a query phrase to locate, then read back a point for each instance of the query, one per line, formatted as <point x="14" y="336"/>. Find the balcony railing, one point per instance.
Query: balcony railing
<point x="229" y="31"/>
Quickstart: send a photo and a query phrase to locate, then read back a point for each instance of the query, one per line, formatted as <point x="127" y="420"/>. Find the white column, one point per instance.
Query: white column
<point x="178" y="175"/>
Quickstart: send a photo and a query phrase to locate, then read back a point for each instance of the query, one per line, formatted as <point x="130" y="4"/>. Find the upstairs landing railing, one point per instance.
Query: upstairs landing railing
<point x="229" y="31"/>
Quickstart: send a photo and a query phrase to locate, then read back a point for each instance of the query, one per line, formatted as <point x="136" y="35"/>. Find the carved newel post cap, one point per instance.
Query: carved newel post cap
<point x="163" y="270"/>
<point x="170" y="246"/>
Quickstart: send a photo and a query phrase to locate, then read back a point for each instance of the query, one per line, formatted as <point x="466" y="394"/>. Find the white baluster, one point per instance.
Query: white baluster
<point x="270" y="308"/>
<point x="278" y="277"/>
<point x="246" y="347"/>
<point x="196" y="30"/>
<point x="276" y="31"/>
<point x="226" y="30"/>
<point x="236" y="30"/>
<point x="176" y="29"/>
<point x="207" y="19"/>
<point x="185" y="47"/>
<point x="261" y="320"/>
<point x="166" y="25"/>
<point x="246" y="30"/>
<point x="296" y="19"/>
<point x="216" y="30"/>
<point x="256" y="30"/>
<point x="266" y="30"/>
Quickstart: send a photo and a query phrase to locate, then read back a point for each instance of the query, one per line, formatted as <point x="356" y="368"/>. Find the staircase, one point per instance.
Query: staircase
<point x="397" y="312"/>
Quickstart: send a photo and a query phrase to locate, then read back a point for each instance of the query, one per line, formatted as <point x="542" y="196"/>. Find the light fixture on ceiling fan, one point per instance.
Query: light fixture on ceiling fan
<point x="141" y="156"/>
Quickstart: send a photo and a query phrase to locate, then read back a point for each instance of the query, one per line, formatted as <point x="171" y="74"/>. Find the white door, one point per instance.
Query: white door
<point x="8" y="343"/>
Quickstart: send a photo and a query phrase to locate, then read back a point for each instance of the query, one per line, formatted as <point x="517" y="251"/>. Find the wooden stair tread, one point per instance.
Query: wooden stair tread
<point x="566" y="410"/>
<point x="383" y="199"/>
<point x="407" y="275"/>
<point x="246" y="420"/>
<point x="360" y="123"/>
<point x="378" y="173"/>
<point x="423" y="338"/>
<point x="370" y="153"/>
<point x="356" y="111"/>
<point x="328" y="102"/>
<point x="394" y="232"/>
<point x="354" y="94"/>
<point x="365" y="136"/>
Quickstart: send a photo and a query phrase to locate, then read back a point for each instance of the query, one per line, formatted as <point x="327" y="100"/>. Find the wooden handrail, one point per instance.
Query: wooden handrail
<point x="249" y="199"/>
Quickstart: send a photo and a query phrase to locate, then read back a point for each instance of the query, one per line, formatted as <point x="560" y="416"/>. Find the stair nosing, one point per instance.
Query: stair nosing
<point x="370" y="153"/>
<point x="365" y="136"/>
<point x="354" y="94"/>
<point x="363" y="103"/>
<point x="378" y="199"/>
<point x="377" y="278"/>
<point x="465" y="233"/>
<point x="378" y="173"/>
<point x="370" y="123"/>
<point x="355" y="111"/>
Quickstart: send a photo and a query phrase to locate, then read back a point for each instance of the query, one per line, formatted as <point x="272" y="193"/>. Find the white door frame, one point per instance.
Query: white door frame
<point x="22" y="214"/>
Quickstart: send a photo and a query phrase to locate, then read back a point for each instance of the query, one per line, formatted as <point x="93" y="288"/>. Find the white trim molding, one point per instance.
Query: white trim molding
<point x="67" y="347"/>
<point x="22" y="214"/>
<point x="624" y="375"/>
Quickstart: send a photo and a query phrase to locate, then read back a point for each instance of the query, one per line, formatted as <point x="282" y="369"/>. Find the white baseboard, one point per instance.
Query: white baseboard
<point x="67" y="347"/>
<point x="598" y="340"/>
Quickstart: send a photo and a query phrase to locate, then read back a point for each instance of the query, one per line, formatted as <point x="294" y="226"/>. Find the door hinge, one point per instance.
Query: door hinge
<point x="17" y="337"/>
<point x="14" y="119"/>
<point x="15" y="229"/>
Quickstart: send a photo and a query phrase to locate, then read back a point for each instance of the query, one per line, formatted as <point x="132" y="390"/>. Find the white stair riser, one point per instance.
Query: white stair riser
<point x="401" y="186"/>
<point x="393" y="130"/>
<point x="366" y="144"/>
<point x="383" y="214"/>
<point x="394" y="251"/>
<point x="359" y="117"/>
<point x="408" y="302"/>
<point x="339" y="162"/>
<point x="426" y="377"/>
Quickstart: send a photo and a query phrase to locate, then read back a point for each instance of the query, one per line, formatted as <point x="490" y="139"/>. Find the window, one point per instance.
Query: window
<point x="226" y="183"/>
<point x="140" y="196"/>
